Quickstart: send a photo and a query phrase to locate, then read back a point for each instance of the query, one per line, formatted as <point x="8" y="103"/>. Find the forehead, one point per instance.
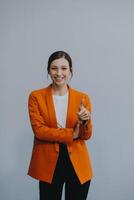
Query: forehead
<point x="60" y="62"/>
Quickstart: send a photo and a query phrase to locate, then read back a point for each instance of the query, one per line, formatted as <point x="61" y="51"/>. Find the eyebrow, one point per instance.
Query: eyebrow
<point x="58" y="66"/>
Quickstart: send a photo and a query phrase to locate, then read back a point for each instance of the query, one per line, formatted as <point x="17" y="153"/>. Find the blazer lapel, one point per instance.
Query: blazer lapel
<point x="50" y="106"/>
<point x="51" y="111"/>
<point x="70" y="113"/>
<point x="70" y="109"/>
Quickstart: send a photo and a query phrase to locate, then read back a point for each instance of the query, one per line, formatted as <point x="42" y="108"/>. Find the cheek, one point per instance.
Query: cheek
<point x="68" y="73"/>
<point x="51" y="73"/>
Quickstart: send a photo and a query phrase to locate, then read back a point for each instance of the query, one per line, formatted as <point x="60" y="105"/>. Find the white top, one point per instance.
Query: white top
<point x="61" y="104"/>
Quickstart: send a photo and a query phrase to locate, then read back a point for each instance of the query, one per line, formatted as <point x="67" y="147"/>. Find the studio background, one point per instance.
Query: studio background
<point x="99" y="36"/>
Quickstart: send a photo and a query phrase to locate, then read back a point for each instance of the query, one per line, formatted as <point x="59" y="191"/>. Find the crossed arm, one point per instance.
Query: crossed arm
<point x="64" y="135"/>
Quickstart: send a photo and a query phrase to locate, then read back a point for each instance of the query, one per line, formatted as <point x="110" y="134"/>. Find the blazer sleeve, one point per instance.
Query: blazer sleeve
<point x="40" y="128"/>
<point x="86" y="129"/>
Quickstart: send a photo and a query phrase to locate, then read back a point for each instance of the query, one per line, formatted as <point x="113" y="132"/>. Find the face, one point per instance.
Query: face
<point x="59" y="71"/>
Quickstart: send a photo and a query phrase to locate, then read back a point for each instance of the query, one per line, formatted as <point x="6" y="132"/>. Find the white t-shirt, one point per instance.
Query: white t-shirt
<point x="61" y="104"/>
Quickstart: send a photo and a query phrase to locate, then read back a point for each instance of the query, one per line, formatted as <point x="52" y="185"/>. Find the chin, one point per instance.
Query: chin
<point x="60" y="84"/>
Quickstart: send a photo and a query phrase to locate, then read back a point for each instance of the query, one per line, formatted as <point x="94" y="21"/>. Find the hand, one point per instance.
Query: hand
<point x="83" y="114"/>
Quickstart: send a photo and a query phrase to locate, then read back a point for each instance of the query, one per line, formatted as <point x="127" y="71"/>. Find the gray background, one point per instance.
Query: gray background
<point x="99" y="36"/>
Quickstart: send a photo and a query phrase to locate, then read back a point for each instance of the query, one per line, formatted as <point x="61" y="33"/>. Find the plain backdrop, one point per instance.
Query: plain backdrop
<point x="99" y="36"/>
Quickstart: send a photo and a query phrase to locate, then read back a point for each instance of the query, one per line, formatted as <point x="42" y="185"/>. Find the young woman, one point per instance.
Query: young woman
<point x="60" y="117"/>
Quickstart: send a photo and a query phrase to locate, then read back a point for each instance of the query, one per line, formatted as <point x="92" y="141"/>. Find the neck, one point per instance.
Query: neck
<point x="59" y="90"/>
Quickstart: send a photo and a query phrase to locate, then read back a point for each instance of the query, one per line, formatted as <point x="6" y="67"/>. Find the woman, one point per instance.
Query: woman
<point x="61" y="121"/>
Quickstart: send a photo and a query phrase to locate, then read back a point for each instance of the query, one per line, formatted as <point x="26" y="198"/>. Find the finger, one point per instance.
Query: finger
<point x="87" y="115"/>
<point x="84" y="118"/>
<point x="84" y="111"/>
<point x="82" y="103"/>
<point x="83" y="115"/>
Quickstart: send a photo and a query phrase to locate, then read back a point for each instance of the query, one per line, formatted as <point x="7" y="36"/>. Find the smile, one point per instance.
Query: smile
<point x="59" y="79"/>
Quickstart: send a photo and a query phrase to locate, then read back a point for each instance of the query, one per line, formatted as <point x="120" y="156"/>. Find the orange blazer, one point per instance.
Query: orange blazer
<point x="47" y="135"/>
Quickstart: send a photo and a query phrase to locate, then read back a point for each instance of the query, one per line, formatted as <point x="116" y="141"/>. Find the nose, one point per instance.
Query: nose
<point x="59" y="72"/>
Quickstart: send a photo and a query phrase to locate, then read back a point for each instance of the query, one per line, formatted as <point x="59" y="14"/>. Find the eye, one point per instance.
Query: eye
<point x="54" y="68"/>
<point x="64" y="68"/>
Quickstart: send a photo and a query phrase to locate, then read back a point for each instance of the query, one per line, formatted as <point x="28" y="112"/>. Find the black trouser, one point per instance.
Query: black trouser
<point x="64" y="173"/>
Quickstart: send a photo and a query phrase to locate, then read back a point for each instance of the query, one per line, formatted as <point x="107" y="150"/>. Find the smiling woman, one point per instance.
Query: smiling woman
<point x="60" y="72"/>
<point x="60" y="117"/>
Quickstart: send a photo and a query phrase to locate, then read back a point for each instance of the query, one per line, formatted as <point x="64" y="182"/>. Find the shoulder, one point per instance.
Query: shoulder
<point x="38" y="92"/>
<point x="82" y="97"/>
<point x="79" y="93"/>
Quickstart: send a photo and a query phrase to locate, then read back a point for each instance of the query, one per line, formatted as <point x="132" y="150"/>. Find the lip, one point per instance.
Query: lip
<point x="59" y="79"/>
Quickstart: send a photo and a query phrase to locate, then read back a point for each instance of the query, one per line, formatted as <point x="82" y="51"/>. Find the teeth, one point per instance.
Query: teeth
<point x="59" y="78"/>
